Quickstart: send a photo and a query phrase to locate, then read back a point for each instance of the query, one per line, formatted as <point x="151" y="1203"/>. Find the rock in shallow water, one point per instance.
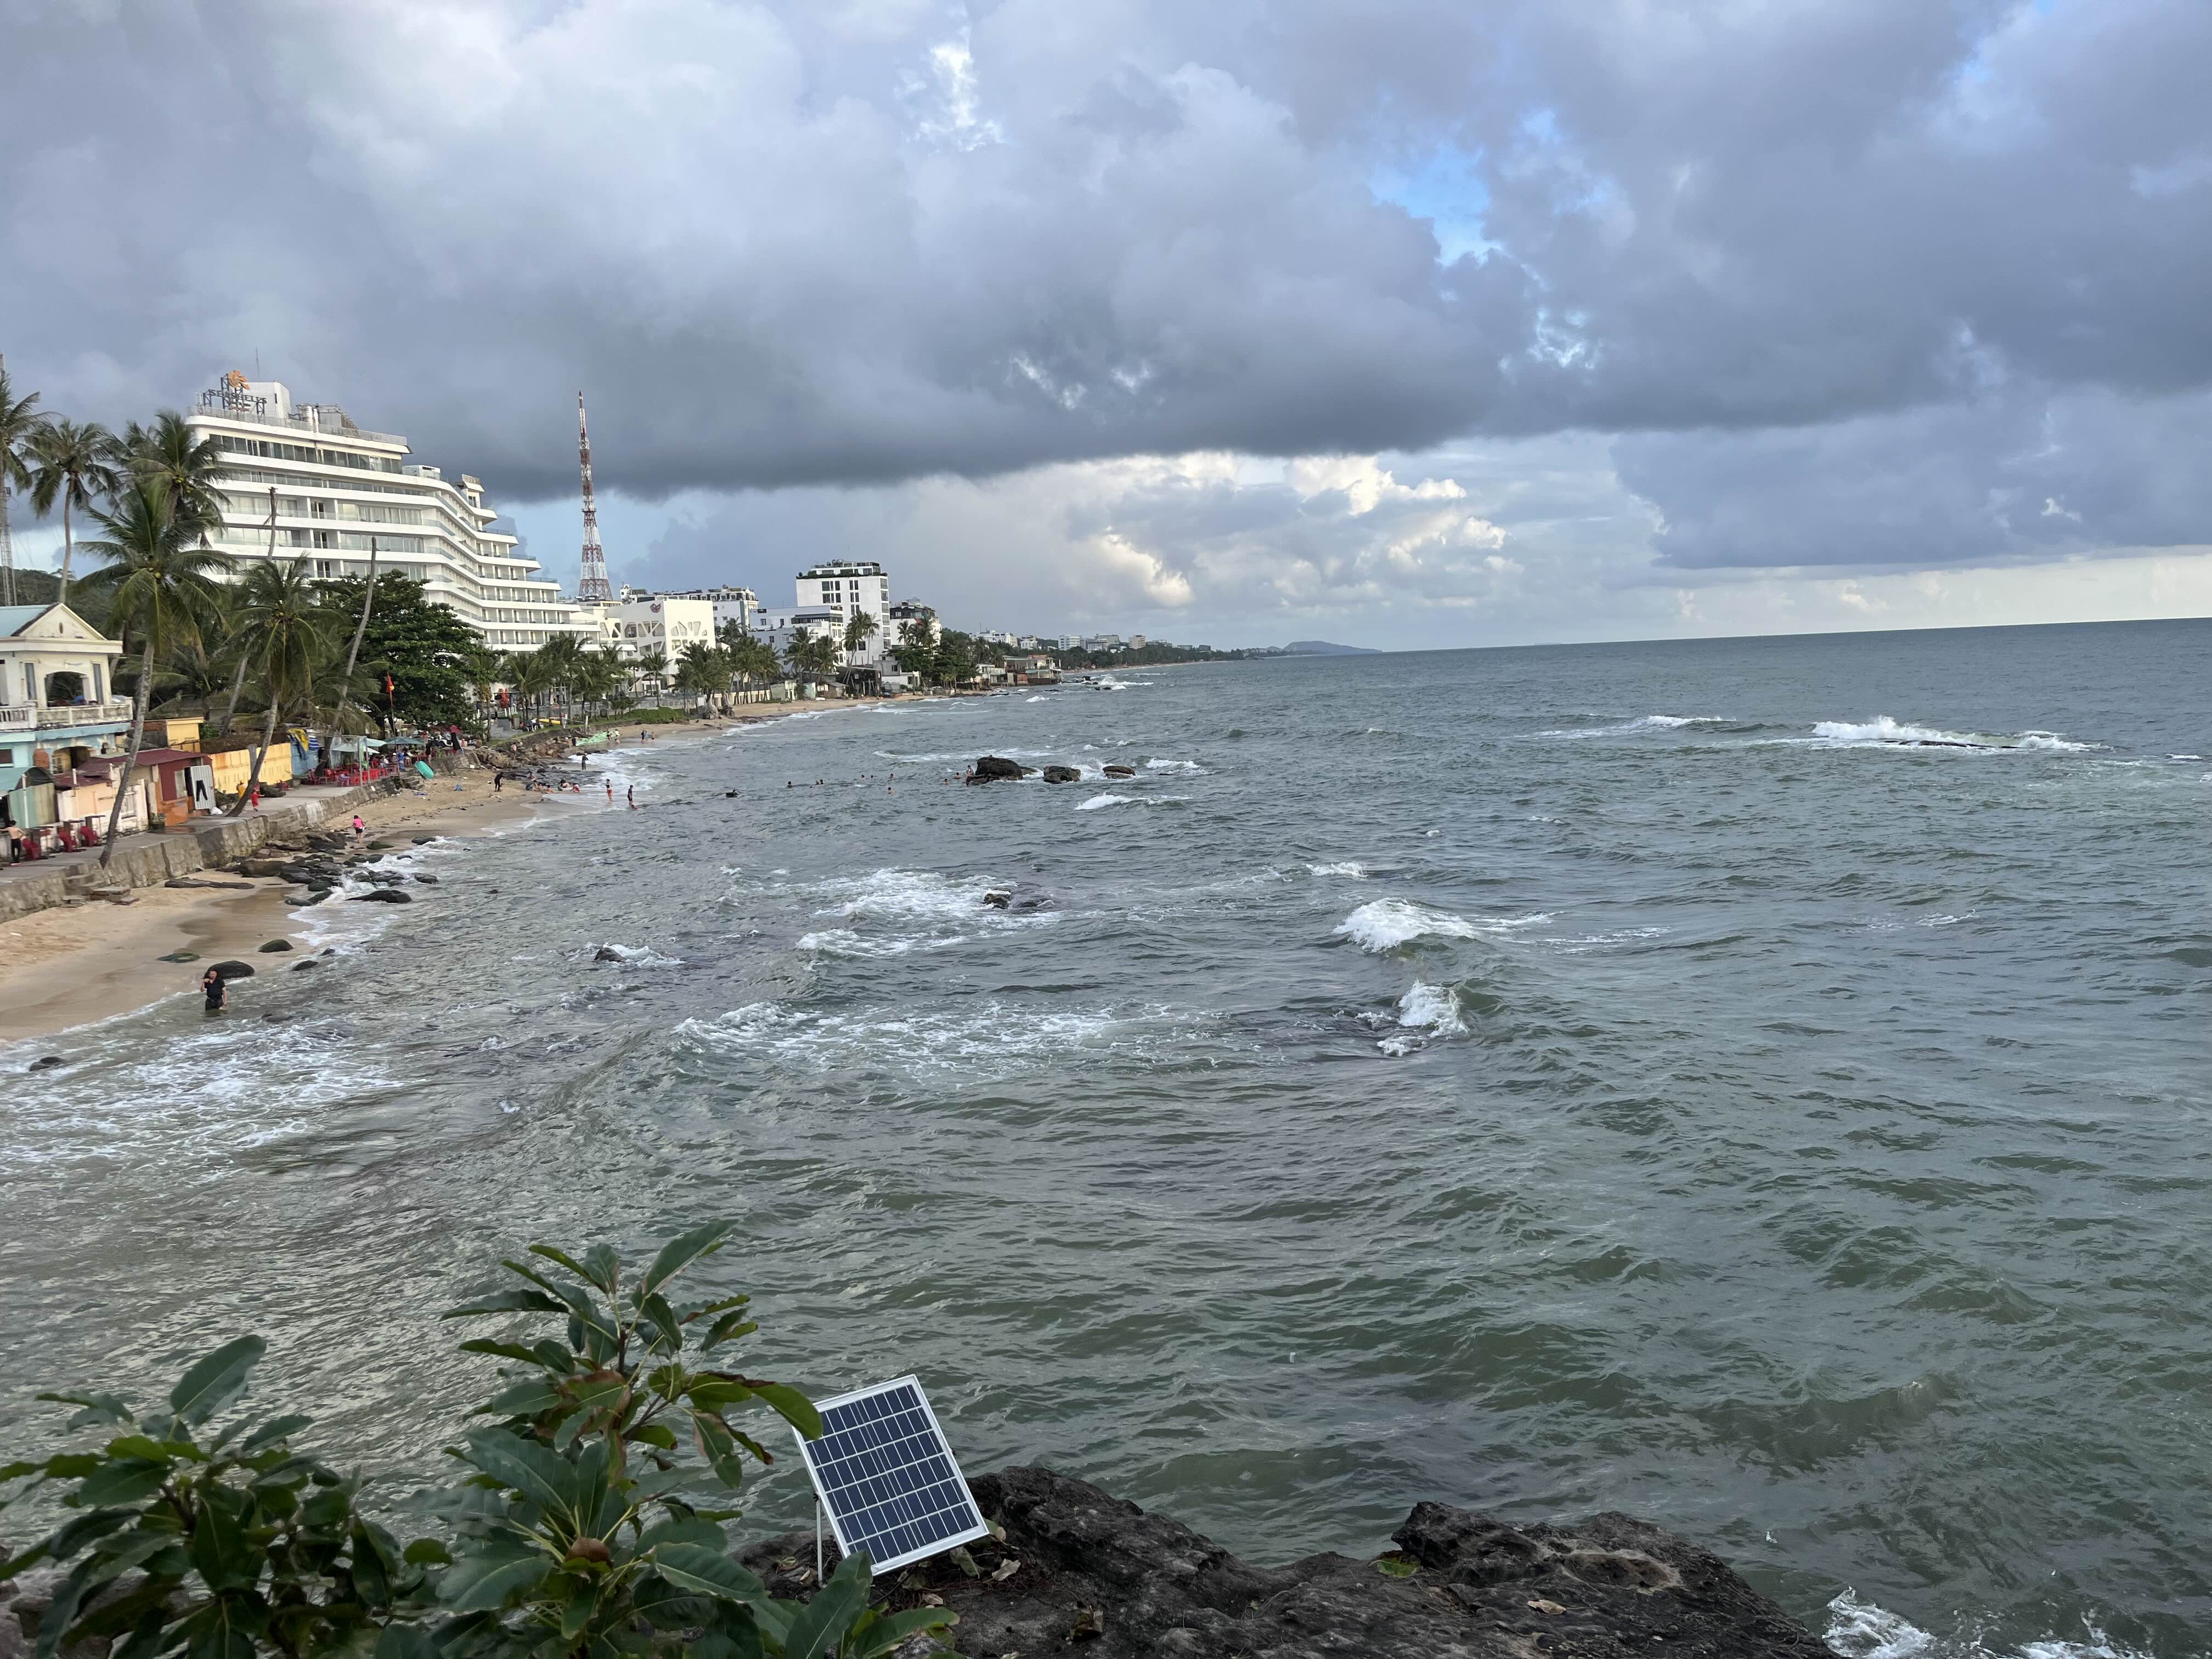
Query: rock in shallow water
<point x="381" y="896"/>
<point x="275" y="945"/>
<point x="1061" y="775"/>
<point x="996" y="767"/>
<point x="1100" y="1572"/>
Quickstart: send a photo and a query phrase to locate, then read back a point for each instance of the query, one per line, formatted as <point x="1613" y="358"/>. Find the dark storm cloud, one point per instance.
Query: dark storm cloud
<point x="872" y="240"/>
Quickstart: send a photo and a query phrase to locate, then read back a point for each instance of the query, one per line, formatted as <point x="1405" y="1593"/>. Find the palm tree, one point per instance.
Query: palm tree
<point x="238" y="679"/>
<point x="484" y="668"/>
<point x="186" y="468"/>
<point x="858" y="630"/>
<point x="290" y="629"/>
<point x="353" y="657"/>
<point x="74" y="464"/>
<point x="157" y="580"/>
<point x="20" y="421"/>
<point x="810" y="654"/>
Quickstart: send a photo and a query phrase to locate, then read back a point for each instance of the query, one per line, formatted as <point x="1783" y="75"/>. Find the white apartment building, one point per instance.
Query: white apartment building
<point x="334" y="485"/>
<point x="651" y="629"/>
<point x="732" y="604"/>
<point x="850" y="587"/>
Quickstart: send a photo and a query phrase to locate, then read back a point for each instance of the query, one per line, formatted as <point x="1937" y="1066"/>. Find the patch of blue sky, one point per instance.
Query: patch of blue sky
<point x="1445" y="188"/>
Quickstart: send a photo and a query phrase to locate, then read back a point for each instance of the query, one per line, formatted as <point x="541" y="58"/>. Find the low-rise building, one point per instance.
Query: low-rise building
<point x="734" y="606"/>
<point x="58" y="699"/>
<point x="651" y="632"/>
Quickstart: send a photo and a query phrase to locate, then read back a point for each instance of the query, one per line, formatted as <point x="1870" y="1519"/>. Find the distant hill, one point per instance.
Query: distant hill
<point x="36" y="586"/>
<point x="1323" y="649"/>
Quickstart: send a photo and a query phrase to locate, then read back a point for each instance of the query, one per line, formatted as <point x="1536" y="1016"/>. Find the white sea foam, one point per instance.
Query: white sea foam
<point x="641" y="956"/>
<point x="1424" y="1012"/>
<point x="1387" y="924"/>
<point x="1173" y="766"/>
<point x="844" y="942"/>
<point x="1351" y="869"/>
<point x="1882" y="732"/>
<point x="1860" y="1629"/>
<point x="992" y="1038"/>
<point x="1616" y="940"/>
<point x="1647" y="723"/>
<point x="1038" y="699"/>
<point x="903" y="895"/>
<point x="1098" y="802"/>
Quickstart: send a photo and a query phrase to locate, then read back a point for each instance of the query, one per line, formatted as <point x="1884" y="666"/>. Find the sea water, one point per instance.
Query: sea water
<point x="1760" y="1085"/>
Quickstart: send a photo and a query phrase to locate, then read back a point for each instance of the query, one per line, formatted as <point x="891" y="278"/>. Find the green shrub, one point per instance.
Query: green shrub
<point x="571" y="1532"/>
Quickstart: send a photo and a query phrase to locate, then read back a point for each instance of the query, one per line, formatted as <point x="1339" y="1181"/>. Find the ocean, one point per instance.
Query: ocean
<point x="1760" y="1085"/>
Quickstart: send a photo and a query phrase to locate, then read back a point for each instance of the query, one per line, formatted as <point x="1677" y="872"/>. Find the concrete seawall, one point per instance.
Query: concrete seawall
<point x="148" y="859"/>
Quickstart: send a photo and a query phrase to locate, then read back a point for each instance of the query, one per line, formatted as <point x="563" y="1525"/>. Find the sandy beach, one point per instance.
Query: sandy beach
<point x="80" y="963"/>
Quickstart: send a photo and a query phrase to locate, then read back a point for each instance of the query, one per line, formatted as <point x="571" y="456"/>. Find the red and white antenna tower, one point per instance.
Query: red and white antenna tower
<point x="592" y="583"/>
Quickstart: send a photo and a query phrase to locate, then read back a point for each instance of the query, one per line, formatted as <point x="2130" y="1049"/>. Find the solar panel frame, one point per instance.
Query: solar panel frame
<point x="913" y="1506"/>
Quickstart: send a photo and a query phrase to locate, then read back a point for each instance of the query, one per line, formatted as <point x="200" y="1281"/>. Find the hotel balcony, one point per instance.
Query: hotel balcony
<point x="63" y="717"/>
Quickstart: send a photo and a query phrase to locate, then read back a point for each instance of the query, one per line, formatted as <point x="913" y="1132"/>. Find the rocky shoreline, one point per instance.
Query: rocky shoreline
<point x="1079" y="1569"/>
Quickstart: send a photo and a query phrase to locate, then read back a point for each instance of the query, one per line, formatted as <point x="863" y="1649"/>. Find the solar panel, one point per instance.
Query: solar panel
<point x="886" y="1477"/>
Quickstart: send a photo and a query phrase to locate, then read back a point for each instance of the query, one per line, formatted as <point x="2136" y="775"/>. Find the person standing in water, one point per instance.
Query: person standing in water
<point x="631" y="794"/>
<point x="212" y="987"/>
<point x="611" y="792"/>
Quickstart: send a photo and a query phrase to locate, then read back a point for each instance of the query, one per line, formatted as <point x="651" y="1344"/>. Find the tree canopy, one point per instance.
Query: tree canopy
<point x="424" y="648"/>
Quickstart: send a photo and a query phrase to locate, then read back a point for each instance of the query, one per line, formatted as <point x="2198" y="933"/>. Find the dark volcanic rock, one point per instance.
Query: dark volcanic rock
<point x="275" y="945"/>
<point x="997" y="901"/>
<point x="381" y="896"/>
<point x="301" y="967"/>
<point x="234" y="969"/>
<point x="427" y="881"/>
<point x="1061" y="775"/>
<point x="1116" y="1582"/>
<point x="1121" y="771"/>
<point x="606" y="953"/>
<point x="46" y="1063"/>
<point x="993" y="768"/>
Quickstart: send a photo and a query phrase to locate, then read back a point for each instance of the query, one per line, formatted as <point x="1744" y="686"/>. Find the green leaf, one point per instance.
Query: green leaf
<point x="682" y="1251"/>
<point x="404" y="1642"/>
<point x="655" y="1434"/>
<point x="61" y="1611"/>
<point x="712" y="1393"/>
<point x="79" y="1530"/>
<point x="818" y="1629"/>
<point x="221" y="1554"/>
<point x="478" y="1585"/>
<point x="215" y="1379"/>
<point x="886" y="1632"/>
<point x="738" y="1637"/>
<point x="126" y="1480"/>
<point x="139" y="1445"/>
<point x="705" y="1572"/>
<point x="603" y="1268"/>
<point x="720" y="1448"/>
<point x="526" y="1399"/>
<point x="793" y="1406"/>
<point x="145" y="1638"/>
<point x="98" y="1408"/>
<point x="721" y="1304"/>
<point x="728" y="1329"/>
<point x="501" y="1350"/>
<point x="537" y="1472"/>
<point x="507" y="1301"/>
<point x="571" y="1264"/>
<point x="655" y="1308"/>
<point x="277" y="1429"/>
<point x="67" y="1466"/>
<point x="428" y="1551"/>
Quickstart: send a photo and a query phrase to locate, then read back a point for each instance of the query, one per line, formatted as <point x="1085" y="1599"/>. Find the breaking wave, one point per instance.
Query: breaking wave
<point x="1351" y="869"/>
<point x="1424" y="1014"/>
<point x="1883" y="732"/>
<point x="1387" y="924"/>
<point x="1860" y="1629"/>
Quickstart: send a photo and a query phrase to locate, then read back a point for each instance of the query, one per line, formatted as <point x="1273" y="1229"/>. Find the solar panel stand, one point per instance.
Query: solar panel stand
<point x="886" y="1477"/>
<point x="818" y="1543"/>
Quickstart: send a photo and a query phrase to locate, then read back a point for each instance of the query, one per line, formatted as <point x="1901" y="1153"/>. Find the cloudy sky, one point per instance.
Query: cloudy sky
<point x="1405" y="323"/>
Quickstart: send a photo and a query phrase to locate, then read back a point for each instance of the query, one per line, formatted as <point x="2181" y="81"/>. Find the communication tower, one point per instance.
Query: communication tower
<point x="592" y="583"/>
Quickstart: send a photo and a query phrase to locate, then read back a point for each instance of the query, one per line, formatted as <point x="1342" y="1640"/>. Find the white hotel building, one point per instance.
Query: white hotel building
<point x="337" y="485"/>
